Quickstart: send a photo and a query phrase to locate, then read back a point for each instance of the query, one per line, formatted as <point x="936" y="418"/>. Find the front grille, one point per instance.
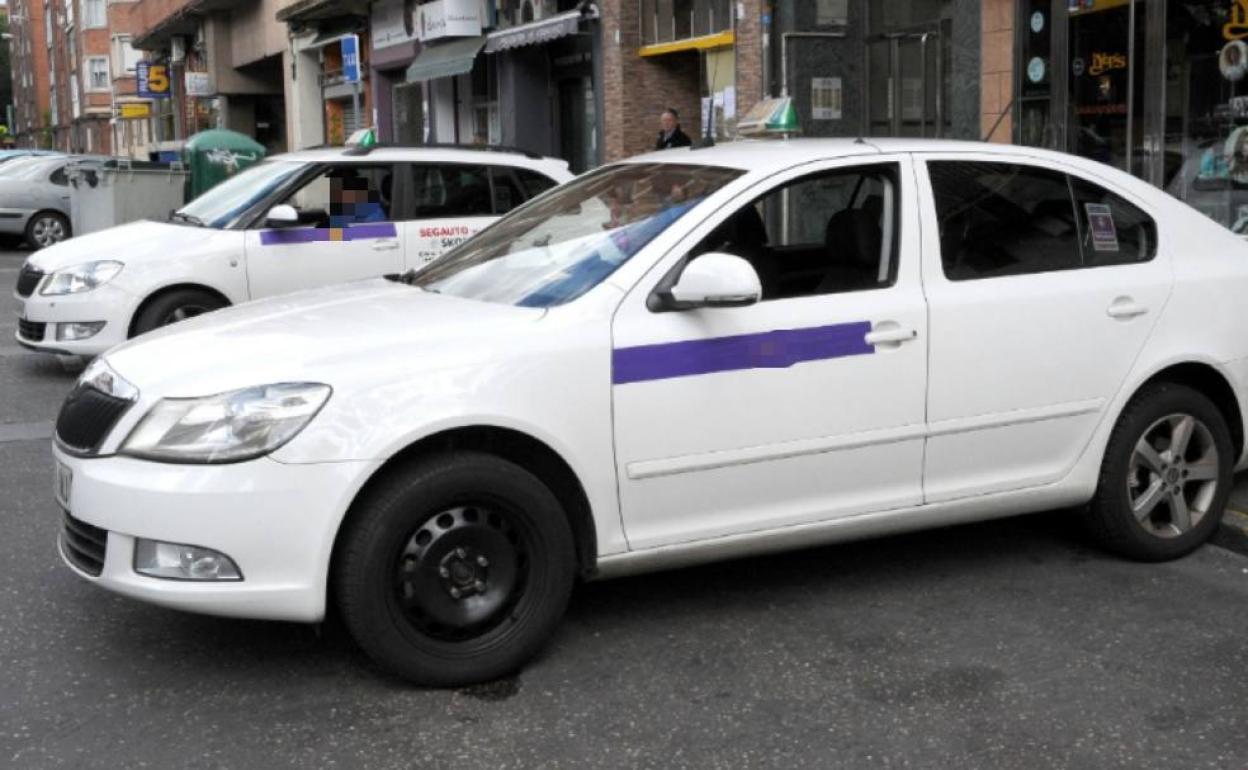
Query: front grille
<point x="27" y="279"/>
<point x="84" y="545"/>
<point x="31" y="331"/>
<point x="86" y="418"/>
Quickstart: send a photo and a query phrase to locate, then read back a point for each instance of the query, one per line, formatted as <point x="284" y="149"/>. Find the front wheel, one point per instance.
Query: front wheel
<point x="177" y="305"/>
<point x="455" y="569"/>
<point x="46" y="229"/>
<point x="1166" y="475"/>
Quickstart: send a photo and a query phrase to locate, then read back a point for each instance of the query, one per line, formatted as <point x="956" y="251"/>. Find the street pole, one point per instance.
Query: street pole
<point x="355" y="102"/>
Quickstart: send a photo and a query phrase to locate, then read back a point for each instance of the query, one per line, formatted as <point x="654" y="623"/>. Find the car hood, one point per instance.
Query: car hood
<point x="144" y="240"/>
<point x="356" y="333"/>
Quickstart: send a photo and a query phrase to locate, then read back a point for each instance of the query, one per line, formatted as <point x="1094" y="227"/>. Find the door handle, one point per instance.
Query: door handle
<point x="893" y="335"/>
<point x="386" y="245"/>
<point x="1125" y="308"/>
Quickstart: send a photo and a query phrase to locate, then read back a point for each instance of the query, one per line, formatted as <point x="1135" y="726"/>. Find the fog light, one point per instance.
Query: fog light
<point x="78" y="331"/>
<point x="182" y="562"/>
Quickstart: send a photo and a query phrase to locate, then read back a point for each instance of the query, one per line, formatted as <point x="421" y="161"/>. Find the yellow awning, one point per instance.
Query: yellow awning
<point x="718" y="40"/>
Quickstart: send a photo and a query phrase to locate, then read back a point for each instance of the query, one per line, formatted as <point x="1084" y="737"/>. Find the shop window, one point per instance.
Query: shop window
<point x="826" y="233"/>
<point x="999" y="219"/>
<point x="1114" y="232"/>
<point x="664" y="21"/>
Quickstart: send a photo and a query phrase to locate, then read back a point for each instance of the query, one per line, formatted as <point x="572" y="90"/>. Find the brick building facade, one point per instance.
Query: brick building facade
<point x="29" y="69"/>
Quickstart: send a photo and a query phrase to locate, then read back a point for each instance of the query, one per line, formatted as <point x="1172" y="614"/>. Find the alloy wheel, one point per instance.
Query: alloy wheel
<point x="1173" y="476"/>
<point x="47" y="231"/>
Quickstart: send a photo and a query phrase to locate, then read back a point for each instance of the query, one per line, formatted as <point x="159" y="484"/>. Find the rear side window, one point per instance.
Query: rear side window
<point x="1114" y="232"/>
<point x="534" y="183"/>
<point x="507" y="192"/>
<point x="998" y="219"/>
<point x="59" y="177"/>
<point x="451" y="190"/>
<point x="1001" y="219"/>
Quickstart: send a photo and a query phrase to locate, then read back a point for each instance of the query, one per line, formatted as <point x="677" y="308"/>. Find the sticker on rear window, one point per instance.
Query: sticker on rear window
<point x="1101" y="225"/>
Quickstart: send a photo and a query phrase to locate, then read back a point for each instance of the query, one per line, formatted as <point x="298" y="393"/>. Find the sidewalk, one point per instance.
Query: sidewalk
<point x="1233" y="533"/>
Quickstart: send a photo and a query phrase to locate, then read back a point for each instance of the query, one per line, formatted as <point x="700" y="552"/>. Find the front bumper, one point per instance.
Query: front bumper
<point x="276" y="521"/>
<point x="110" y="304"/>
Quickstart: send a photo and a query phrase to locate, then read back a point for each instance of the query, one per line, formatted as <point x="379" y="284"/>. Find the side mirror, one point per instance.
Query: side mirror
<point x="715" y="280"/>
<point x="281" y="215"/>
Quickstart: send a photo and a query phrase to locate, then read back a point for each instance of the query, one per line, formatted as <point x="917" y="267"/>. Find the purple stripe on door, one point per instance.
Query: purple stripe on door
<point x="777" y="349"/>
<point x="360" y="232"/>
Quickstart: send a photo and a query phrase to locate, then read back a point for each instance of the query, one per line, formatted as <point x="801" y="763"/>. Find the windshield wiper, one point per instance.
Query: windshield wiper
<point x="407" y="278"/>
<point x="190" y="219"/>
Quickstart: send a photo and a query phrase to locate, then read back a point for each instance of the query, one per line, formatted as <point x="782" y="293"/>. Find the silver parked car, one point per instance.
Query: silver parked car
<point x="34" y="199"/>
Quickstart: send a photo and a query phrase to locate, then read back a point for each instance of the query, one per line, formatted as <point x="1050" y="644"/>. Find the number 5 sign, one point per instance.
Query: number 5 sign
<point x="153" y="80"/>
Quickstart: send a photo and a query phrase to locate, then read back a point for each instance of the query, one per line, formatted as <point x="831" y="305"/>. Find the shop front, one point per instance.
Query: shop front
<point x="520" y="74"/>
<point x="1154" y="87"/>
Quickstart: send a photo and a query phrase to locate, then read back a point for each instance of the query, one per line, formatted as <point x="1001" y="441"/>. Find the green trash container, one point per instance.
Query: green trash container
<point x="216" y="155"/>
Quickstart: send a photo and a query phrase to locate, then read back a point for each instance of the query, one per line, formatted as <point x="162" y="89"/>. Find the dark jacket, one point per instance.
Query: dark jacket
<point x="677" y="139"/>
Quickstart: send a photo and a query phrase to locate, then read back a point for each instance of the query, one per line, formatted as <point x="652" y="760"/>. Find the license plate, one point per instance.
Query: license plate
<point x="64" y="484"/>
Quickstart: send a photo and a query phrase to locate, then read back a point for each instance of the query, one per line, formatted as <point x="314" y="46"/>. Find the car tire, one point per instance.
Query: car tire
<point x="173" y="307"/>
<point x="1152" y="502"/>
<point x="46" y="228"/>
<point x="454" y="569"/>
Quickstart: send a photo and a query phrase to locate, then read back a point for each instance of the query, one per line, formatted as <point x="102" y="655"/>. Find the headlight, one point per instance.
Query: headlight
<point x="80" y="278"/>
<point x="239" y="425"/>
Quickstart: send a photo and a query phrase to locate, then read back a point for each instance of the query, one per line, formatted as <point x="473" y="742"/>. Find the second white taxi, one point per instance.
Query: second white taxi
<point x="687" y="356"/>
<point x="297" y="221"/>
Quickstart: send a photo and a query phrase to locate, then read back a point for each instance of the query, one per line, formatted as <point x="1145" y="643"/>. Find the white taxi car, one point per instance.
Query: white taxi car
<point x="686" y="356"/>
<point x="300" y="220"/>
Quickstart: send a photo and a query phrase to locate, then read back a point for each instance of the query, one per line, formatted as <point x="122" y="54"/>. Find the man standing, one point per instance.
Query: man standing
<point x="670" y="134"/>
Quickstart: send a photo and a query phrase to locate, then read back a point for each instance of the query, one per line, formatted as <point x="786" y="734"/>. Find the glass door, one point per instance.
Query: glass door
<point x="908" y="90"/>
<point x="1106" y="84"/>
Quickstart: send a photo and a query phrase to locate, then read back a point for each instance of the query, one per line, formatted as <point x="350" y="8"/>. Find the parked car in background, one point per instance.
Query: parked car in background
<point x="687" y="356"/>
<point x="8" y="155"/>
<point x="34" y="199"/>
<point x="295" y="221"/>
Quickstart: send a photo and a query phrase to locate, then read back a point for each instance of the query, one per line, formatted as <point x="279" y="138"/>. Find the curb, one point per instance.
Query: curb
<point x="1232" y="533"/>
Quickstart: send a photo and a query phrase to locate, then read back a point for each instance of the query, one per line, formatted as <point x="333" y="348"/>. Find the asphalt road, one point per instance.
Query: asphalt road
<point x="1009" y="644"/>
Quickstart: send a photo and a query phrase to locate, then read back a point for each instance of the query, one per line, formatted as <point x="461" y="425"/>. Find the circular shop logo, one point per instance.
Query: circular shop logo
<point x="1037" y="22"/>
<point x="1035" y="70"/>
<point x="1076" y="66"/>
<point x="1233" y="60"/>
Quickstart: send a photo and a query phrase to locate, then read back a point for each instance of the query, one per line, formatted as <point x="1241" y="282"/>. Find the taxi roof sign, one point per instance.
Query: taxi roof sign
<point x="364" y="137"/>
<point x="770" y="117"/>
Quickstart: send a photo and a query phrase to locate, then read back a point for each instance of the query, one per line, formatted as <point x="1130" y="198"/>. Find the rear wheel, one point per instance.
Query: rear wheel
<point x="173" y="307"/>
<point x="1166" y="475"/>
<point x="455" y="569"/>
<point x="46" y="228"/>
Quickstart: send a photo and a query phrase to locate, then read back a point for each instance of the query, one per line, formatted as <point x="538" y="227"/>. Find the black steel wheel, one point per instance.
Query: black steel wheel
<point x="1166" y="475"/>
<point x="454" y="569"/>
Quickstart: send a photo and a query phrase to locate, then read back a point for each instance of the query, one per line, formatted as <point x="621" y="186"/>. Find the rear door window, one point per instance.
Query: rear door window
<point x="451" y="190"/>
<point x="1002" y="219"/>
<point x="1114" y="232"/>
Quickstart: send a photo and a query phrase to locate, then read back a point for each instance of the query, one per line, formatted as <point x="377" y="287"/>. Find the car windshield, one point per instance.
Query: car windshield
<point x="223" y="204"/>
<point x="562" y="244"/>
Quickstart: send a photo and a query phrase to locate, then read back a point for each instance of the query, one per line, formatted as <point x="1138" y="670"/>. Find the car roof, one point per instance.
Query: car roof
<point x="765" y="154"/>
<point x="488" y="155"/>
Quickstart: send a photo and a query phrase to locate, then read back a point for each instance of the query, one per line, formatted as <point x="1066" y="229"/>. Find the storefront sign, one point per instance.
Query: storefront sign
<point x="534" y="32"/>
<point x="1237" y="27"/>
<point x="449" y="18"/>
<point x="135" y="110"/>
<point x="351" y="58"/>
<point x="153" y="80"/>
<point x="1104" y="62"/>
<point x="199" y="84"/>
<point x="392" y="23"/>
